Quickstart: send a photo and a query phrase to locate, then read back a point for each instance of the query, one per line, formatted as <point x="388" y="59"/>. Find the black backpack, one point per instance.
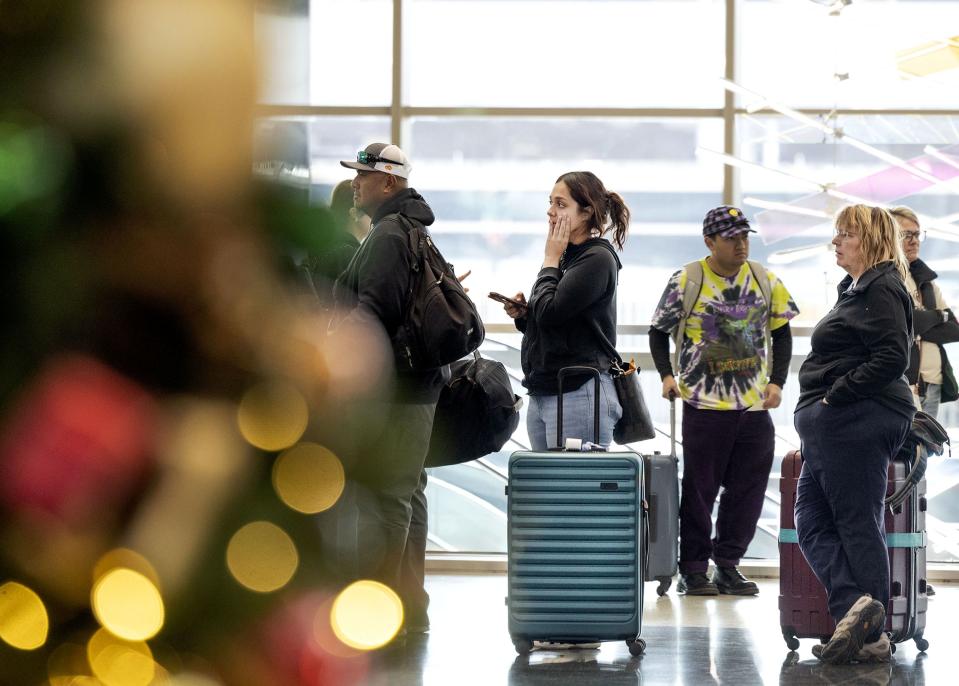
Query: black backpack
<point x="476" y="414"/>
<point x="441" y="323"/>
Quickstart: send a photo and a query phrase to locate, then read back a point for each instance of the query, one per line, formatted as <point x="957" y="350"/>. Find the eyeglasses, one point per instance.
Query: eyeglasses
<point x="735" y="238"/>
<point x="364" y="157"/>
<point x="913" y="236"/>
<point x="843" y="235"/>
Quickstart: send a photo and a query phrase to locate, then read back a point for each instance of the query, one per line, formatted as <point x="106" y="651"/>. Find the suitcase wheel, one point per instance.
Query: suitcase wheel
<point x="789" y="636"/>
<point x="664" y="583"/>
<point x="922" y="644"/>
<point x="637" y="646"/>
<point x="522" y="646"/>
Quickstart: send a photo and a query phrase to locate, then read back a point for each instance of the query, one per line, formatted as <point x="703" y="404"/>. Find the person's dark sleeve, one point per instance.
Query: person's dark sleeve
<point x="782" y="354"/>
<point x="885" y="331"/>
<point x="659" y="349"/>
<point x="558" y="296"/>
<point x="383" y="286"/>
<point x="520" y="323"/>
<point x="930" y="327"/>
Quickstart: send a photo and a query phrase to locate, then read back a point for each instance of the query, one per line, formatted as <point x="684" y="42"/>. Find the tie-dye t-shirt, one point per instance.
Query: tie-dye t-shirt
<point x="723" y="362"/>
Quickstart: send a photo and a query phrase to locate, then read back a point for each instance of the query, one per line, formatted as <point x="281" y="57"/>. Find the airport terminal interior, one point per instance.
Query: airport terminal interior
<point x="170" y="393"/>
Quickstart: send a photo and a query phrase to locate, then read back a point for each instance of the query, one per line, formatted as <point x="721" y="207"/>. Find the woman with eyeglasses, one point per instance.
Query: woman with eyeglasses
<point x="570" y="319"/>
<point x="930" y="375"/>
<point x="855" y="409"/>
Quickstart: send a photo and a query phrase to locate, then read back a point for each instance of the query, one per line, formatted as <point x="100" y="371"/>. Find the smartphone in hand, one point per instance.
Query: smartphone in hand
<point x="500" y="298"/>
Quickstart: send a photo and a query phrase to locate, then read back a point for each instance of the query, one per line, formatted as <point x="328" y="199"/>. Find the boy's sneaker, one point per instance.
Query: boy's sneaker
<point x="865" y="617"/>
<point x="696" y="583"/>
<point x="729" y="580"/>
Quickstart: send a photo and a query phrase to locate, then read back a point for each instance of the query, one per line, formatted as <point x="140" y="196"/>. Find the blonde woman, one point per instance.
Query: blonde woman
<point x="855" y="408"/>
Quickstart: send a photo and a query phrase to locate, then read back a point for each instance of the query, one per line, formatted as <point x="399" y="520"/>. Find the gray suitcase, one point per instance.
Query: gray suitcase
<point x="662" y="495"/>
<point x="575" y="540"/>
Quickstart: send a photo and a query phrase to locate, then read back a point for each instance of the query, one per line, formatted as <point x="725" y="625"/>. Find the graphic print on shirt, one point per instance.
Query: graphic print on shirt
<point x="723" y="362"/>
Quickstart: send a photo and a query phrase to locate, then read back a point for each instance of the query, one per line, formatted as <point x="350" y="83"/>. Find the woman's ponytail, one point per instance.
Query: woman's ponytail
<point x="619" y="216"/>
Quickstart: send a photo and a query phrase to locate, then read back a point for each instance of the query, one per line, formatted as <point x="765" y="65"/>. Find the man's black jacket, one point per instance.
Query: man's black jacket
<point x="376" y="284"/>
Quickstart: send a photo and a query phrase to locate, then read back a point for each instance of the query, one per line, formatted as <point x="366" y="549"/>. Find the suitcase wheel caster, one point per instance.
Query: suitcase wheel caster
<point x="522" y="646"/>
<point x="922" y="644"/>
<point x="892" y="648"/>
<point x="637" y="646"/>
<point x="664" y="584"/>
<point x="789" y="636"/>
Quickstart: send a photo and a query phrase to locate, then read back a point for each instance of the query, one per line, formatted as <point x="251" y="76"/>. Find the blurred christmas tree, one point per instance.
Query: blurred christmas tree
<point x="172" y="414"/>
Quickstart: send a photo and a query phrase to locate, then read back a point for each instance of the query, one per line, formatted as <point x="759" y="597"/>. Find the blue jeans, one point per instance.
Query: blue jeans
<point x="577" y="415"/>
<point x="930" y="401"/>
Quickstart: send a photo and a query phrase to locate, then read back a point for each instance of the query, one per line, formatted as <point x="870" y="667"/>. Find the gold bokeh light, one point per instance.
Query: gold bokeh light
<point x="262" y="557"/>
<point x="366" y="615"/>
<point x="272" y="416"/>
<point x="128" y="605"/>
<point x="128" y="559"/>
<point x="308" y="478"/>
<point x="24" y="623"/>
<point x="116" y="662"/>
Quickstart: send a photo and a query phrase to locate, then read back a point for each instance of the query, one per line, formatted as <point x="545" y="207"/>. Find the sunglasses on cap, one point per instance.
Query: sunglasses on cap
<point x="364" y="157"/>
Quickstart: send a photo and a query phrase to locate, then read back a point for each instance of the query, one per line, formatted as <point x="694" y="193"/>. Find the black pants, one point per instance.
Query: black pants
<point x="839" y="500"/>
<point x="390" y="507"/>
<point x="732" y="449"/>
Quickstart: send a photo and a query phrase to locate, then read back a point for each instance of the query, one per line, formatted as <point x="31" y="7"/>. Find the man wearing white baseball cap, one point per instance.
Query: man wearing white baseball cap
<point x="382" y="157"/>
<point x="390" y="475"/>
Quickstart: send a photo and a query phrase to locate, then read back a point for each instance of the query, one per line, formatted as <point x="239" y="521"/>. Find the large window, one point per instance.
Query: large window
<point x="787" y="109"/>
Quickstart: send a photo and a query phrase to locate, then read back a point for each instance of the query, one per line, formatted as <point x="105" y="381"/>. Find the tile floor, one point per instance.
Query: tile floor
<point x="691" y="642"/>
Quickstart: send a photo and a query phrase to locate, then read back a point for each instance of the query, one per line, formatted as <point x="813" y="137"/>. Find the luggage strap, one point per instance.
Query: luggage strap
<point x="914" y="539"/>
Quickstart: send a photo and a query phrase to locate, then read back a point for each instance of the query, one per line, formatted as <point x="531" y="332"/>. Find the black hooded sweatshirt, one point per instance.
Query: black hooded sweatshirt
<point x="571" y="317"/>
<point x="376" y="284"/>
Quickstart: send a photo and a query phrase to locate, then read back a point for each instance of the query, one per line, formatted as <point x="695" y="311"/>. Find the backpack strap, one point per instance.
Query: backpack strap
<point x="765" y="287"/>
<point x="691" y="291"/>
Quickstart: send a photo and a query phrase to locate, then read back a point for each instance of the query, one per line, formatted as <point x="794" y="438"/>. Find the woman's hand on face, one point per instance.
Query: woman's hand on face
<point x="556" y="241"/>
<point x="516" y="312"/>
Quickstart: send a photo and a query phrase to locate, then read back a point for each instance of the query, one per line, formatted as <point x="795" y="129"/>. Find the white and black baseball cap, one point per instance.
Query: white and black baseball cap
<point x="382" y="157"/>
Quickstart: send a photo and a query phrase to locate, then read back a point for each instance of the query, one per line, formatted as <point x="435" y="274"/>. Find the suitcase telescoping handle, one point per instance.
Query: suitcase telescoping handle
<point x="672" y="425"/>
<point x="563" y="373"/>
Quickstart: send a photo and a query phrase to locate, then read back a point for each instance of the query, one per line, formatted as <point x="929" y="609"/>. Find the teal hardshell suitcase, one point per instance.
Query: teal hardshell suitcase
<point x="576" y="544"/>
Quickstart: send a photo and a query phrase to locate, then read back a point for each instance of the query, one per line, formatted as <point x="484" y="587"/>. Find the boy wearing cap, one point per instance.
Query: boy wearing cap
<point x="375" y="288"/>
<point x="727" y="314"/>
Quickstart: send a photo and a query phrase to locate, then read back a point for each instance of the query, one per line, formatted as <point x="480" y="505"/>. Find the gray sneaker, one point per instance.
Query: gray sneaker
<point x="877" y="651"/>
<point x="864" y="618"/>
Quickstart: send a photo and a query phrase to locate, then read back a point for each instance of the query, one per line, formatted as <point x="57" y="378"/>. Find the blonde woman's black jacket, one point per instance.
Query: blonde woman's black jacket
<point x="860" y="349"/>
<point x="571" y="318"/>
<point x="931" y="328"/>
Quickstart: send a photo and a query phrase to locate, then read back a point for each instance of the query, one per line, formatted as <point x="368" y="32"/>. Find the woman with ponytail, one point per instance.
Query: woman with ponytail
<point x="570" y="319"/>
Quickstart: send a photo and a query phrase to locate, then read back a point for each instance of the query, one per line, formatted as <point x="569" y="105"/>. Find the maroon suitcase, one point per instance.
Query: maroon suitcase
<point x="803" y="612"/>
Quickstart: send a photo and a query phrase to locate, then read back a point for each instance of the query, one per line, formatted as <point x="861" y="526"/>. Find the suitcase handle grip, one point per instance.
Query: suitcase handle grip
<point x="561" y="376"/>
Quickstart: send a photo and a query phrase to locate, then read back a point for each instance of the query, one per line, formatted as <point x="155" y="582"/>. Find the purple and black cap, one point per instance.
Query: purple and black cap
<point x="726" y="221"/>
